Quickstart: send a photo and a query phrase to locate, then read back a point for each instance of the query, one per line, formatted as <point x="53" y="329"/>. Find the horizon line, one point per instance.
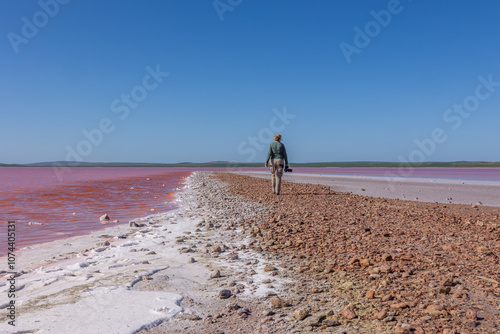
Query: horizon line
<point x="251" y="164"/>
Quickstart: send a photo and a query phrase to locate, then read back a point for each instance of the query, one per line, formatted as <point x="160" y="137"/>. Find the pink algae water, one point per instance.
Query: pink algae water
<point x="48" y="205"/>
<point x="66" y="202"/>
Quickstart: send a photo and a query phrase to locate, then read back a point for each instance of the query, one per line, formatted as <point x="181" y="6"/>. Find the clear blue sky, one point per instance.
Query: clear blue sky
<point x="356" y="80"/>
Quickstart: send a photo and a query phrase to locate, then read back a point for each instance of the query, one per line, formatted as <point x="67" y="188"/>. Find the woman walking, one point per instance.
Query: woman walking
<point x="277" y="153"/>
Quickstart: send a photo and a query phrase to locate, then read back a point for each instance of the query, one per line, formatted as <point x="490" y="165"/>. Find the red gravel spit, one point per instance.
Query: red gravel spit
<point x="398" y="266"/>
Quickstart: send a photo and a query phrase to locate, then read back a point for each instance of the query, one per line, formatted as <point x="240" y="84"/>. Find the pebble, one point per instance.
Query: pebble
<point x="225" y="294"/>
<point x="434" y="310"/>
<point x="403" y="329"/>
<point x="277" y="303"/>
<point x="348" y="313"/>
<point x="445" y="290"/>
<point x="471" y="314"/>
<point x="380" y="315"/>
<point x="215" y="274"/>
<point x="386" y="269"/>
<point x="448" y="281"/>
<point x="269" y="268"/>
<point x="243" y="310"/>
<point x="399" y="306"/>
<point x="386" y="257"/>
<point x="389" y="318"/>
<point x="334" y="321"/>
<point x="233" y="307"/>
<point x="35" y="223"/>
<point x="312" y="321"/>
<point x="301" y="314"/>
<point x="387" y="298"/>
<point x="364" y="263"/>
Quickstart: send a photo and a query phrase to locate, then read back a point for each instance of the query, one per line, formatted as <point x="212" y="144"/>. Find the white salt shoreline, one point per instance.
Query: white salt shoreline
<point x="63" y="288"/>
<point x="97" y="283"/>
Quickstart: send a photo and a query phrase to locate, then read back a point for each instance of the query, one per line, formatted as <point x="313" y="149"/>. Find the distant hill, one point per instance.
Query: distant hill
<point x="452" y="164"/>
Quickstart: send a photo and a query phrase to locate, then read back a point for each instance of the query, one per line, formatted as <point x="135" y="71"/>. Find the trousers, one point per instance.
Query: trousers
<point x="277" y="171"/>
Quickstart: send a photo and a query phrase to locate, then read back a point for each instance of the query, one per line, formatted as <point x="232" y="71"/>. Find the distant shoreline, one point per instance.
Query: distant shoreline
<point x="229" y="164"/>
<point x="417" y="188"/>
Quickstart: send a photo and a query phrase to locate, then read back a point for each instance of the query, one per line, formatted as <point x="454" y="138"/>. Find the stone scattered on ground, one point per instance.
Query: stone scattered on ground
<point x="341" y="263"/>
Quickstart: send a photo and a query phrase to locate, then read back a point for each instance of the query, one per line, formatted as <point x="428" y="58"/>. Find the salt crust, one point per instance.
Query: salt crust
<point x="85" y="285"/>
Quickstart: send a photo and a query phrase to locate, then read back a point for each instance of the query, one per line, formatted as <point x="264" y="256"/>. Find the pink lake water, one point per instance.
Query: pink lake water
<point x="490" y="174"/>
<point x="69" y="202"/>
<point x="47" y="207"/>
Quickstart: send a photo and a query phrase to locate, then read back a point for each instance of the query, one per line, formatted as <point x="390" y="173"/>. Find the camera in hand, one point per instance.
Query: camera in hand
<point x="289" y="170"/>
